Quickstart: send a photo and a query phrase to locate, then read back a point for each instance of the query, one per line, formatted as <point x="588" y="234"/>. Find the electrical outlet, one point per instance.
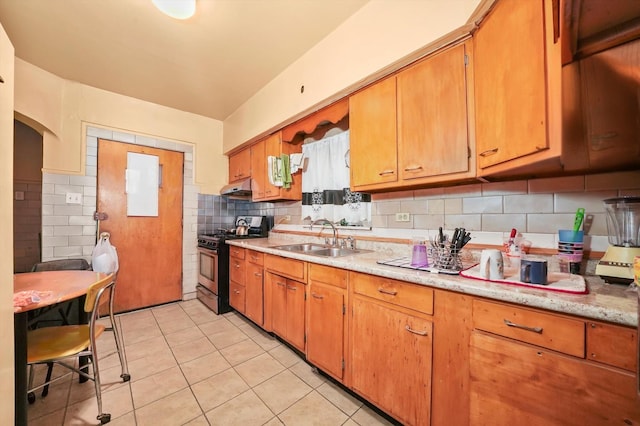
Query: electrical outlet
<point x="74" y="198"/>
<point x="403" y="217"/>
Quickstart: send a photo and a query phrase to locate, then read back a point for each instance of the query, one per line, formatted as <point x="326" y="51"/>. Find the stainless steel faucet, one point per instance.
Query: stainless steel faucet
<point x="325" y="222"/>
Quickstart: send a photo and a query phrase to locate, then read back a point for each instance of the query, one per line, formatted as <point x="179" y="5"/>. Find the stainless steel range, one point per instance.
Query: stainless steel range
<point x="213" y="260"/>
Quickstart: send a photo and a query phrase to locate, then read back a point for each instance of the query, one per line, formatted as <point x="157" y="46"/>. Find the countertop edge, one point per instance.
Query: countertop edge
<point x="605" y="302"/>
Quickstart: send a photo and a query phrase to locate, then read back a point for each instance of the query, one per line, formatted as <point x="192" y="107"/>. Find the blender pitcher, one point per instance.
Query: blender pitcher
<point x="623" y="226"/>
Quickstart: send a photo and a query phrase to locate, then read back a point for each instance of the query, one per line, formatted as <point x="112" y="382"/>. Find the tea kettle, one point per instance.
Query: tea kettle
<point x="242" y="228"/>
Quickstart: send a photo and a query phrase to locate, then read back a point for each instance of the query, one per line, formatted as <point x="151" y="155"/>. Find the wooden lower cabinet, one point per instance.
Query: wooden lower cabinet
<point x="326" y="319"/>
<point x="391" y="354"/>
<point x="254" y="294"/>
<point x="237" y="277"/>
<point x="237" y="296"/>
<point x="288" y="302"/>
<point x="517" y="383"/>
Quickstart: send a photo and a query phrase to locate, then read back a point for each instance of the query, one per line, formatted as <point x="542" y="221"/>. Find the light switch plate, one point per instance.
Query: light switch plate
<point x="74" y="198"/>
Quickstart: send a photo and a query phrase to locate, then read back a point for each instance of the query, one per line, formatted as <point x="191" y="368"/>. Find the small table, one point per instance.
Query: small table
<point x="55" y="287"/>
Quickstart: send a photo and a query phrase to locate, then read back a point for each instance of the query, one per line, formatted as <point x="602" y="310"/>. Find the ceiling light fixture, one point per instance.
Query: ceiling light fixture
<point x="178" y="9"/>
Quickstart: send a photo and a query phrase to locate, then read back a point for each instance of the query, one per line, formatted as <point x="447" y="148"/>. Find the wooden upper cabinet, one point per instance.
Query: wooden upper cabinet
<point x="240" y="165"/>
<point x="517" y="86"/>
<point x="432" y="117"/>
<point x="412" y="128"/>
<point x="259" y="180"/>
<point x="372" y="133"/>
<point x="263" y="190"/>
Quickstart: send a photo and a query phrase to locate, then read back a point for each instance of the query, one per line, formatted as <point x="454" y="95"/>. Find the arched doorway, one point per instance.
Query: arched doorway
<point x="27" y="196"/>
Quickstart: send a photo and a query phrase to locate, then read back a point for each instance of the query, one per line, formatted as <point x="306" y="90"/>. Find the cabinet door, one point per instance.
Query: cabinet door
<point x="240" y="165"/>
<point x="272" y="148"/>
<point x="611" y="106"/>
<point x="254" y="293"/>
<point x="295" y="314"/>
<point x="432" y="117"/>
<point x="237" y="297"/>
<point x="237" y="270"/>
<point x="258" y="171"/>
<point x="325" y="331"/>
<point x="372" y="124"/>
<point x="510" y="82"/>
<point x="514" y="383"/>
<point x="279" y="305"/>
<point x="391" y="354"/>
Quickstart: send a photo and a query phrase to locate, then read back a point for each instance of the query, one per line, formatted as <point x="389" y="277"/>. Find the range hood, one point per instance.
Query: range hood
<point x="241" y="188"/>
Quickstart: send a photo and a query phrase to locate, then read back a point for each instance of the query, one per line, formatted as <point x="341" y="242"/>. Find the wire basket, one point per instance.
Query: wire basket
<point x="446" y="258"/>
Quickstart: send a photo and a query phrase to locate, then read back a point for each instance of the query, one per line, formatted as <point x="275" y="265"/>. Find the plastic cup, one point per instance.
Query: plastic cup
<point x="570" y="236"/>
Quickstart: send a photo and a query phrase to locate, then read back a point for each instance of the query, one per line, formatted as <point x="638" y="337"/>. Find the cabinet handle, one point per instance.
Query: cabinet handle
<point x="386" y="172"/>
<point x="413" y="169"/>
<point x="237" y="265"/>
<point x="317" y="296"/>
<point x="291" y="288"/>
<point x="523" y="327"/>
<point x="254" y="258"/>
<point x="419" y="333"/>
<point x="489" y="152"/>
<point x="389" y="292"/>
<point x="257" y="274"/>
<point x="279" y="283"/>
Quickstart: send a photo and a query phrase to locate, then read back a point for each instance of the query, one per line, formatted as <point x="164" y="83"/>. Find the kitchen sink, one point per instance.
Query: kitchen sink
<point x="320" y="250"/>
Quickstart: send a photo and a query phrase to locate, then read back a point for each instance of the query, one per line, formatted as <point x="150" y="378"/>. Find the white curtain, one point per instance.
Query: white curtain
<point x="325" y="184"/>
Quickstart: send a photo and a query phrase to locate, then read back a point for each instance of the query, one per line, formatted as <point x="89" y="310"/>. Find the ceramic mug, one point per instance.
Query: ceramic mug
<point x="533" y="270"/>
<point x="491" y="264"/>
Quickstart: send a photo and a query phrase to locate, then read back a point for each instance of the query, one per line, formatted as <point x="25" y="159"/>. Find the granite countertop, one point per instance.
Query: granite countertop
<point x="606" y="302"/>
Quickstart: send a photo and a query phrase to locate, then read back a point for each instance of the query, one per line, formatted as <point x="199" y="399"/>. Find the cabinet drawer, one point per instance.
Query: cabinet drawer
<point x="290" y="268"/>
<point x="236" y="252"/>
<point x="255" y="257"/>
<point x="538" y="328"/>
<point x="399" y="293"/>
<point x="612" y="345"/>
<point x="328" y="275"/>
<point x="236" y="271"/>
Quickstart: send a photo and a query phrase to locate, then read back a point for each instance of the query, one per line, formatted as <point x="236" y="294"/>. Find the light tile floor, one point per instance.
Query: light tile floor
<point x="189" y="366"/>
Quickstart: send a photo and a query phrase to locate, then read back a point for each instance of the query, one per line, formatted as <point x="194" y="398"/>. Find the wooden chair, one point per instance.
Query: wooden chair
<point x="60" y="344"/>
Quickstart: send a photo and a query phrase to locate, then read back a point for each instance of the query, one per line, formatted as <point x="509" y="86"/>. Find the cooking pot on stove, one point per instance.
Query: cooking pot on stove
<point x="242" y="228"/>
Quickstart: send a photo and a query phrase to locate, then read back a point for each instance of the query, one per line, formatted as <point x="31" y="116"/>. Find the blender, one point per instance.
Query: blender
<point x="623" y="225"/>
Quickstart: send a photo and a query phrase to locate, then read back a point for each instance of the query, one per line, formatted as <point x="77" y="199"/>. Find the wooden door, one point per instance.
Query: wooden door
<point x="391" y="356"/>
<point x="432" y="117"/>
<point x="259" y="179"/>
<point x="240" y="165"/>
<point x="326" y="328"/>
<point x="278" y="305"/>
<point x="237" y="295"/>
<point x="510" y="82"/>
<point x="514" y="383"/>
<point x="149" y="247"/>
<point x="372" y="124"/>
<point x="295" y="313"/>
<point x="254" y="293"/>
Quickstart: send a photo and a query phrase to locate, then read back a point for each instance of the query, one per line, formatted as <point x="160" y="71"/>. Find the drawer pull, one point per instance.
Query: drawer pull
<point x="279" y="283"/>
<point x="257" y="274"/>
<point x="254" y="258"/>
<point x="523" y="327"/>
<point x="489" y="152"/>
<point x="292" y="288"/>
<point x="419" y="333"/>
<point x="386" y="172"/>
<point x="317" y="296"/>
<point x="389" y="292"/>
<point x="413" y="169"/>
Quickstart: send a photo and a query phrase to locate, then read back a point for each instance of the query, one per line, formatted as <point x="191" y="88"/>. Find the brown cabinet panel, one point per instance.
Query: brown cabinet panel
<point x="259" y="180"/>
<point x="432" y="116"/>
<point x="412" y="296"/>
<point x="278" y="304"/>
<point x="237" y="296"/>
<point x="514" y="383"/>
<point x="290" y="268"/>
<point x="613" y="345"/>
<point x="326" y="326"/>
<point x="547" y="330"/>
<point x="391" y="360"/>
<point x="510" y="83"/>
<point x="328" y="275"/>
<point x="372" y="129"/>
<point x="237" y="271"/>
<point x="296" y="302"/>
<point x="240" y="165"/>
<point x="254" y="298"/>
